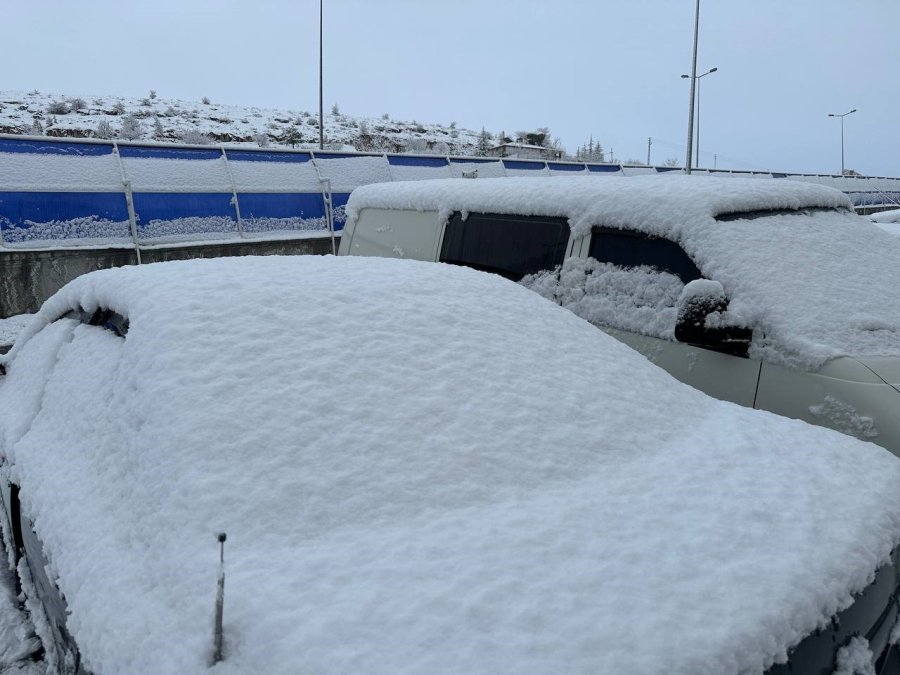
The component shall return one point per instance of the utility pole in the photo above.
(321, 105)
(649, 143)
(690, 136)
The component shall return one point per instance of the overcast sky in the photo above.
(610, 68)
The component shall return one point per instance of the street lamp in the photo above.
(690, 134)
(321, 107)
(842, 134)
(708, 72)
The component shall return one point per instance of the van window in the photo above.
(627, 248)
(511, 246)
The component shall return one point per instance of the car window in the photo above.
(767, 213)
(627, 248)
(511, 246)
(103, 318)
(638, 299)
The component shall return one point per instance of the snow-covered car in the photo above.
(420, 468)
(889, 221)
(766, 292)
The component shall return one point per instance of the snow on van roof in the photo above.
(415, 478)
(814, 287)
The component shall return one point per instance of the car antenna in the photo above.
(220, 601)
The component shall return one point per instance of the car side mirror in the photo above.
(700, 301)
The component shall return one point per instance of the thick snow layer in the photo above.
(787, 276)
(415, 477)
(177, 175)
(24, 171)
(12, 326)
(855, 658)
(892, 216)
(640, 299)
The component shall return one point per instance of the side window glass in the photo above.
(627, 248)
(103, 318)
(639, 299)
(511, 246)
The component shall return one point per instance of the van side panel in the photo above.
(394, 233)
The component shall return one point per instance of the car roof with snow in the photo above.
(421, 468)
(796, 263)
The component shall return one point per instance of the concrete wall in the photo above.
(27, 278)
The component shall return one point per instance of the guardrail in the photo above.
(63, 193)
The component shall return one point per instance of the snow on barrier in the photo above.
(76, 193)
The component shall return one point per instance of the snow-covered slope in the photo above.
(162, 119)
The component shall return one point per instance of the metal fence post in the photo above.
(129, 201)
(234, 194)
(329, 213)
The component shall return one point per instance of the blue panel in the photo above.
(565, 167)
(665, 169)
(473, 160)
(272, 205)
(338, 202)
(55, 147)
(171, 205)
(44, 207)
(348, 155)
(149, 152)
(267, 156)
(779, 175)
(405, 160)
(604, 168)
(518, 164)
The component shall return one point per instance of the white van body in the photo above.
(799, 269)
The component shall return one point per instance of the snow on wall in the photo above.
(21, 171)
(347, 173)
(86, 176)
(491, 169)
(177, 175)
(275, 176)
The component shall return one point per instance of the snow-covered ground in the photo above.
(162, 119)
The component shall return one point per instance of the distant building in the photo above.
(521, 151)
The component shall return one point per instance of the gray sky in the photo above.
(604, 67)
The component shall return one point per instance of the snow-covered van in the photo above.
(765, 292)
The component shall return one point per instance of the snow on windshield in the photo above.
(421, 468)
(811, 281)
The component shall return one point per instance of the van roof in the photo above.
(645, 202)
(814, 284)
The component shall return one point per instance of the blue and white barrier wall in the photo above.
(71, 192)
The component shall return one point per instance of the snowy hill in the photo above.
(170, 120)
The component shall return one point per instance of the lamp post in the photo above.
(842, 134)
(321, 107)
(698, 77)
(690, 134)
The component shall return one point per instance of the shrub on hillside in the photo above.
(58, 108)
(195, 137)
(103, 130)
(132, 129)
